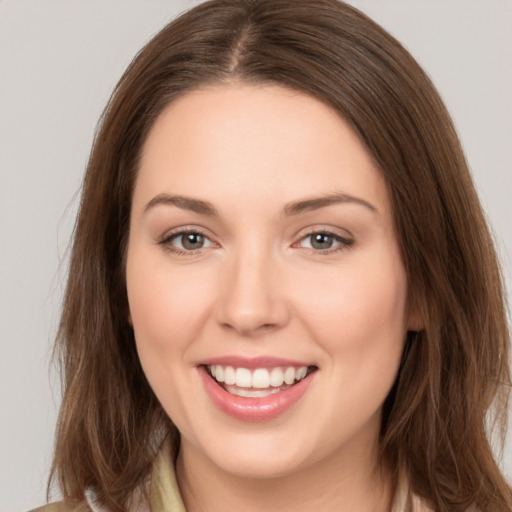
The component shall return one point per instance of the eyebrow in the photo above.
(315, 203)
(185, 203)
(294, 208)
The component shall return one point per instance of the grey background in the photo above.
(59, 60)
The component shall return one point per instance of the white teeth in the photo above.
(289, 375)
(229, 375)
(219, 373)
(260, 378)
(251, 393)
(276, 377)
(243, 378)
(301, 373)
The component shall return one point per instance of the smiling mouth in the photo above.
(257, 383)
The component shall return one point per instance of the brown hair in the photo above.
(455, 371)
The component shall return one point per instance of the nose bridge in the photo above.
(252, 300)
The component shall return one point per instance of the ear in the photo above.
(129, 318)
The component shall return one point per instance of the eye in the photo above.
(186, 241)
(325, 241)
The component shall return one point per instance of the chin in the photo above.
(277, 465)
(263, 455)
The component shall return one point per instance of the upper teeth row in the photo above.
(259, 378)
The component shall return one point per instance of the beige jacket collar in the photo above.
(165, 494)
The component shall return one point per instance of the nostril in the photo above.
(251, 306)
(249, 327)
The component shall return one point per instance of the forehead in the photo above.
(257, 142)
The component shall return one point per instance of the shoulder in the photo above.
(91, 504)
(418, 505)
(64, 506)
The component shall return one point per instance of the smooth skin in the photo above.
(251, 277)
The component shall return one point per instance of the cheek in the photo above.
(358, 312)
(166, 306)
(358, 318)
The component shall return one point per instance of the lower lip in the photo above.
(253, 409)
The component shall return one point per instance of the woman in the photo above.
(282, 290)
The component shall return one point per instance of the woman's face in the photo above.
(262, 250)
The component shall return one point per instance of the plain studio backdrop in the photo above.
(59, 61)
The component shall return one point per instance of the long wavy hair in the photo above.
(454, 380)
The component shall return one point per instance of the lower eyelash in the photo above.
(345, 242)
(165, 241)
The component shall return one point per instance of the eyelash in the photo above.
(166, 242)
(344, 243)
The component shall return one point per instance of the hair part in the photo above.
(455, 372)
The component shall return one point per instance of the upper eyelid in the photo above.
(340, 238)
(169, 235)
(183, 230)
(165, 241)
(187, 232)
(327, 230)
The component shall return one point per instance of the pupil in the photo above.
(321, 241)
(193, 241)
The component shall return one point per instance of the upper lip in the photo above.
(253, 362)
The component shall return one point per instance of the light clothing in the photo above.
(165, 494)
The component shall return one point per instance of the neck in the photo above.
(340, 484)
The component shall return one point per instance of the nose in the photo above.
(252, 299)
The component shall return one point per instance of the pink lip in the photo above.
(254, 409)
(252, 363)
